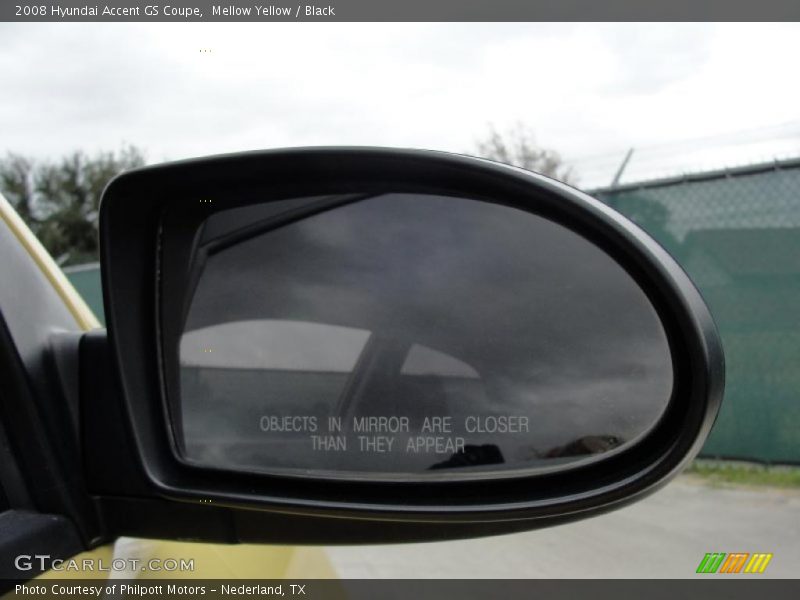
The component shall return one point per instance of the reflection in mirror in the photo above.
(413, 336)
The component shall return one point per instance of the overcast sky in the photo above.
(686, 96)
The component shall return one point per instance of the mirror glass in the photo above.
(405, 336)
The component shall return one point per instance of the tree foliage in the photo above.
(517, 146)
(60, 200)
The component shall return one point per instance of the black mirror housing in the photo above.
(158, 227)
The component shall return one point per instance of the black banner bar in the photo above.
(711, 588)
(399, 10)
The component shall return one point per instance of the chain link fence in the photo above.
(737, 233)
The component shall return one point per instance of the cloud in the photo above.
(585, 89)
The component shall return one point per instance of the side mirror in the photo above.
(429, 344)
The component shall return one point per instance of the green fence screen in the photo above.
(86, 279)
(737, 234)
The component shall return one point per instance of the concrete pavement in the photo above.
(664, 536)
